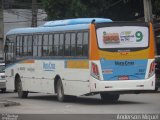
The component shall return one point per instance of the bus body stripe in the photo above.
(93, 49)
(27, 62)
(82, 64)
(151, 46)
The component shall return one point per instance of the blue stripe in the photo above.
(75, 21)
(114, 69)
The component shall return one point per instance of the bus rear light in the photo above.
(94, 71)
(152, 69)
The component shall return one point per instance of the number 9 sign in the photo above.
(139, 36)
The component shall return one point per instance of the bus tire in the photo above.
(21, 93)
(108, 97)
(3, 90)
(60, 91)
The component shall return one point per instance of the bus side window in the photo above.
(35, 45)
(39, 47)
(45, 49)
(21, 46)
(61, 45)
(67, 44)
(17, 46)
(7, 52)
(79, 44)
(85, 43)
(56, 44)
(30, 47)
(25, 46)
(73, 44)
(9, 49)
(50, 46)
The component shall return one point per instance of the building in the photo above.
(20, 18)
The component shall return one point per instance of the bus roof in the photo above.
(75, 21)
(59, 25)
(46, 29)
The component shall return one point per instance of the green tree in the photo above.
(77, 9)
(56, 9)
(114, 9)
(156, 8)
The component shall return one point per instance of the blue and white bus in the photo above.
(82, 56)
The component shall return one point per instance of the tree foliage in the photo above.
(56, 8)
(114, 9)
(20, 4)
(156, 7)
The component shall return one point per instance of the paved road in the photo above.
(38, 103)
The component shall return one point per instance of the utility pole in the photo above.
(1, 28)
(34, 13)
(148, 10)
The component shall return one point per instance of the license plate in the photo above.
(123, 78)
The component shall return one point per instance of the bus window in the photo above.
(18, 46)
(45, 49)
(35, 45)
(56, 44)
(39, 45)
(61, 45)
(85, 44)
(9, 49)
(79, 44)
(73, 44)
(50, 47)
(25, 45)
(30, 48)
(67, 44)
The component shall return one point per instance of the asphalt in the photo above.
(7, 103)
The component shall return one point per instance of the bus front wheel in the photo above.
(109, 97)
(60, 91)
(21, 93)
(3, 90)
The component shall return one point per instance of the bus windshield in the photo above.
(122, 37)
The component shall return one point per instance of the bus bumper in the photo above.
(122, 85)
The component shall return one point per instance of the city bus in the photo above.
(80, 57)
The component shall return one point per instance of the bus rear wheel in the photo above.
(21, 93)
(109, 97)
